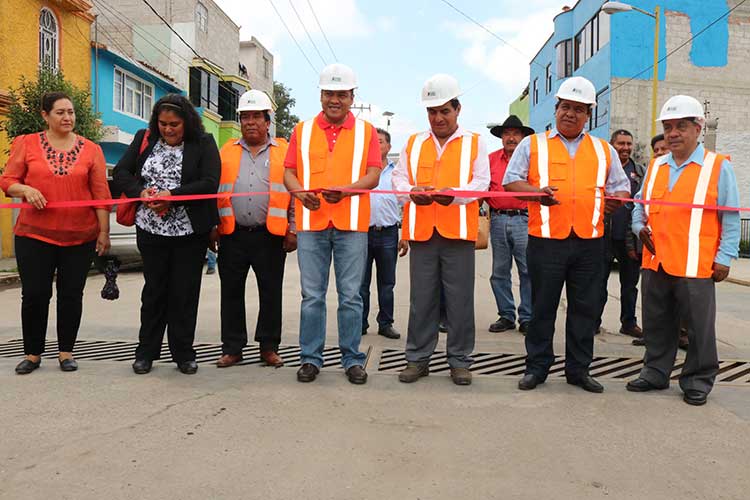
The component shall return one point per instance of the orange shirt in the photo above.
(78, 174)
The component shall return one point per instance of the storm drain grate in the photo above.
(393, 360)
(114, 350)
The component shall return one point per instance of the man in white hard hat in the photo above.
(442, 230)
(328, 153)
(254, 232)
(574, 171)
(686, 251)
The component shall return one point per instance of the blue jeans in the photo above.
(210, 259)
(509, 236)
(314, 252)
(382, 249)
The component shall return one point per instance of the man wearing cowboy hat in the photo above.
(508, 233)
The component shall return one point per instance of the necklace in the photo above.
(60, 162)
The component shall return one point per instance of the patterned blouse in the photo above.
(163, 171)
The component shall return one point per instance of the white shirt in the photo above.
(480, 168)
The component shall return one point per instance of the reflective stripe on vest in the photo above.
(696, 214)
(416, 150)
(305, 146)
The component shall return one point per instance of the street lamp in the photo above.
(388, 115)
(616, 7)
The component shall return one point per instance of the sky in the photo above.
(394, 46)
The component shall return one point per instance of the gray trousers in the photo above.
(666, 299)
(435, 263)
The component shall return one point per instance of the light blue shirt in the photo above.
(385, 209)
(729, 196)
(518, 167)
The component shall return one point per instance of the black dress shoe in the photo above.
(364, 331)
(529, 382)
(389, 333)
(27, 366)
(695, 397)
(502, 325)
(356, 375)
(643, 385)
(142, 366)
(442, 327)
(587, 383)
(188, 367)
(307, 372)
(68, 365)
(523, 327)
(639, 342)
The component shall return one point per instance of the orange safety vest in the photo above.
(580, 181)
(686, 239)
(452, 169)
(279, 197)
(317, 167)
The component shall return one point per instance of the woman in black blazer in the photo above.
(174, 156)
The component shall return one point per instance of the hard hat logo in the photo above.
(335, 79)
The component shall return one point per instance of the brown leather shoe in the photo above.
(633, 331)
(461, 376)
(227, 360)
(271, 359)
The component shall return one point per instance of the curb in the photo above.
(11, 279)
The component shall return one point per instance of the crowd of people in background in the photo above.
(573, 216)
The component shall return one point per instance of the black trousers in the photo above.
(630, 271)
(37, 263)
(577, 264)
(238, 253)
(382, 249)
(172, 269)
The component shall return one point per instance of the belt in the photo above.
(382, 228)
(250, 229)
(510, 212)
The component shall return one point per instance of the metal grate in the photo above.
(113, 350)
(392, 360)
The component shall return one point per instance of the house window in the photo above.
(204, 89)
(201, 17)
(548, 79)
(48, 39)
(564, 51)
(593, 36)
(603, 29)
(266, 67)
(602, 107)
(229, 99)
(132, 95)
(535, 91)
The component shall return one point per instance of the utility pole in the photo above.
(360, 108)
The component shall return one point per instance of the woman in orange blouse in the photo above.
(55, 165)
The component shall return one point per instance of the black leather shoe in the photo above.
(389, 333)
(356, 375)
(307, 372)
(364, 331)
(502, 325)
(27, 366)
(142, 366)
(643, 385)
(188, 367)
(529, 382)
(587, 383)
(68, 365)
(523, 327)
(442, 327)
(695, 398)
(639, 342)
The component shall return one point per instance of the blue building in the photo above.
(615, 52)
(124, 92)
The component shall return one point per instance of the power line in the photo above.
(307, 32)
(312, 66)
(322, 31)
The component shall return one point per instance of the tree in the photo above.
(285, 120)
(25, 112)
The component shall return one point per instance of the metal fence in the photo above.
(745, 238)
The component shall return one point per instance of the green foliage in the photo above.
(25, 114)
(285, 120)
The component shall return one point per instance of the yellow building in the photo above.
(33, 32)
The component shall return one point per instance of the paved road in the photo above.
(252, 432)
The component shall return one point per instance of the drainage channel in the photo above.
(115, 350)
(607, 367)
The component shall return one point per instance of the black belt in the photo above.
(382, 228)
(250, 229)
(510, 212)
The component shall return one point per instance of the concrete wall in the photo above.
(252, 53)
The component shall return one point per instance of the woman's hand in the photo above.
(35, 197)
(102, 243)
(160, 207)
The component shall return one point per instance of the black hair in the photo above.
(385, 133)
(655, 139)
(179, 105)
(50, 98)
(454, 103)
(266, 115)
(620, 131)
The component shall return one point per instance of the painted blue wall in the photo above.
(105, 96)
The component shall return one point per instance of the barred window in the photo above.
(48, 39)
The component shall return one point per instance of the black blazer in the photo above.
(201, 168)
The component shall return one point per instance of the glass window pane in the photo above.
(603, 29)
(128, 100)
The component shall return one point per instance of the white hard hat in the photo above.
(439, 89)
(254, 100)
(682, 106)
(337, 77)
(577, 89)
